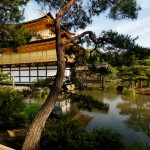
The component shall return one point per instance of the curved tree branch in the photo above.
(79, 36)
(62, 11)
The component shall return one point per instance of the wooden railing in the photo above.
(2, 147)
(27, 60)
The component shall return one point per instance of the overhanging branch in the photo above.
(80, 36)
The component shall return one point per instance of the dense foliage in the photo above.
(128, 91)
(80, 14)
(73, 14)
(137, 73)
(70, 134)
(13, 34)
(12, 108)
(5, 78)
(42, 83)
(31, 110)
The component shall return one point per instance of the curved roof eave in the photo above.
(38, 19)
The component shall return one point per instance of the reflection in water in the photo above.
(34, 100)
(139, 111)
(128, 115)
(60, 106)
(64, 105)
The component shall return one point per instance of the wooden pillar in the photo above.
(101, 82)
(29, 74)
(37, 72)
(46, 70)
(9, 69)
(19, 74)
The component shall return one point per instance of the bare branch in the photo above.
(79, 36)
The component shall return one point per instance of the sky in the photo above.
(139, 27)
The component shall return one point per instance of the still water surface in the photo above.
(128, 115)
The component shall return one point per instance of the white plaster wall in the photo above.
(24, 73)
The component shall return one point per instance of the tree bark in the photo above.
(103, 82)
(32, 139)
(147, 82)
(33, 136)
(35, 130)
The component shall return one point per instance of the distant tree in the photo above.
(138, 72)
(126, 74)
(75, 14)
(145, 64)
(78, 54)
(5, 78)
(103, 70)
(119, 49)
(138, 111)
(129, 57)
(12, 34)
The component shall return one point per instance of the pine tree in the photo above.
(12, 34)
(70, 14)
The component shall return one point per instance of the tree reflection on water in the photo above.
(138, 108)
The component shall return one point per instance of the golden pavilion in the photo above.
(36, 59)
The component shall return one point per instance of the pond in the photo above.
(128, 115)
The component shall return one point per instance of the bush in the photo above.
(128, 91)
(36, 92)
(70, 134)
(77, 82)
(11, 108)
(31, 110)
(41, 83)
(88, 102)
(107, 139)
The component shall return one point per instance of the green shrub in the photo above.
(41, 83)
(107, 139)
(138, 146)
(88, 102)
(26, 92)
(5, 78)
(45, 92)
(11, 108)
(128, 91)
(35, 92)
(70, 134)
(39, 88)
(31, 110)
(77, 82)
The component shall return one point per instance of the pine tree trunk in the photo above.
(147, 83)
(32, 139)
(33, 136)
(35, 130)
(103, 82)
